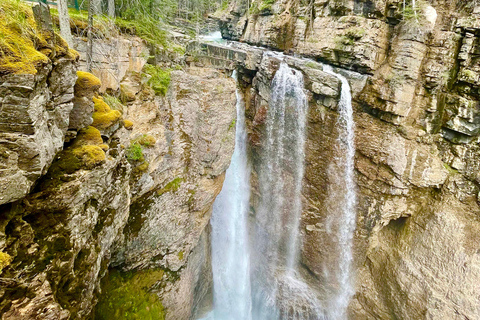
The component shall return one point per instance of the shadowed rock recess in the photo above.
(105, 204)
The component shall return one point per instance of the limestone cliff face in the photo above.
(139, 201)
(416, 106)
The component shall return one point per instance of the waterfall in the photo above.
(344, 203)
(230, 256)
(278, 289)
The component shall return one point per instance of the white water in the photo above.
(213, 37)
(347, 216)
(230, 256)
(256, 275)
(278, 290)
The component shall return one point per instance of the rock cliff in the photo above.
(92, 189)
(415, 96)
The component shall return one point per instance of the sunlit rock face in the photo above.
(416, 137)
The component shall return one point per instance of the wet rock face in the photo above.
(34, 111)
(416, 117)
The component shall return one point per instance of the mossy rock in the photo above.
(128, 124)
(23, 48)
(146, 140)
(90, 156)
(87, 151)
(103, 116)
(87, 84)
(88, 136)
(5, 260)
(128, 296)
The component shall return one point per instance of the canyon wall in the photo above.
(416, 108)
(90, 193)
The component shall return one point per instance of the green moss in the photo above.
(90, 156)
(88, 136)
(86, 152)
(23, 48)
(104, 117)
(129, 296)
(128, 124)
(135, 152)
(266, 5)
(172, 186)
(87, 81)
(468, 76)
(232, 125)
(5, 260)
(146, 140)
(450, 169)
(159, 79)
(180, 255)
(355, 33)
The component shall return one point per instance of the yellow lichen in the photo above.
(128, 124)
(88, 136)
(90, 156)
(86, 152)
(23, 48)
(5, 260)
(87, 82)
(146, 140)
(104, 117)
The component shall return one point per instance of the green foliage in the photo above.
(266, 5)
(146, 27)
(232, 125)
(159, 78)
(128, 296)
(113, 102)
(135, 152)
(172, 186)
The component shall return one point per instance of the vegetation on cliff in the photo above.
(23, 47)
(128, 296)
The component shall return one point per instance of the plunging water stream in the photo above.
(256, 270)
(344, 217)
(230, 256)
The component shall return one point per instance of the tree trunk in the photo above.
(91, 11)
(111, 8)
(64, 22)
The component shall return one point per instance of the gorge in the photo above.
(319, 161)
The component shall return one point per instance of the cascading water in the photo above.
(342, 219)
(256, 272)
(230, 256)
(278, 290)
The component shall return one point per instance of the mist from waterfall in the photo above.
(230, 256)
(343, 216)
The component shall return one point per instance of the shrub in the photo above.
(135, 152)
(159, 79)
(113, 102)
